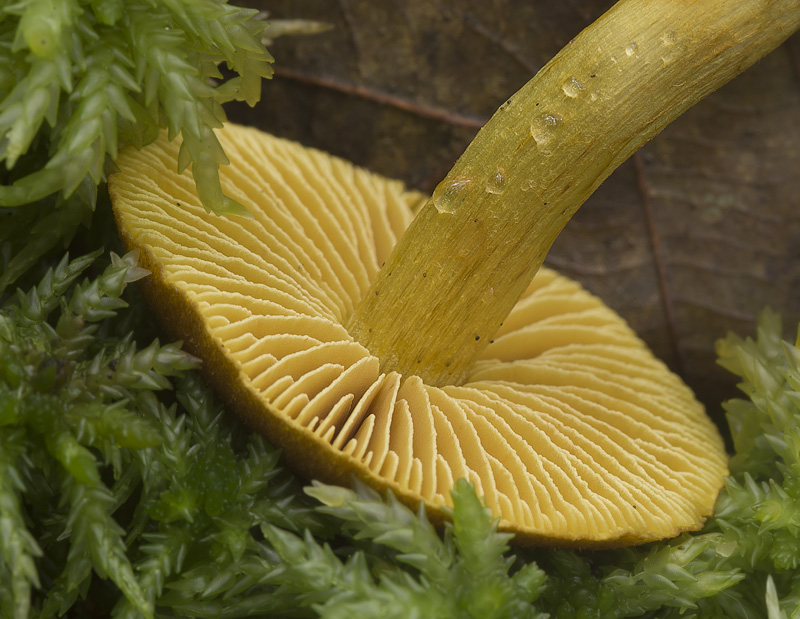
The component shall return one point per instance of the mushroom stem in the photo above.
(478, 242)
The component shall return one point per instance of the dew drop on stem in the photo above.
(450, 194)
(497, 182)
(671, 49)
(543, 128)
(572, 87)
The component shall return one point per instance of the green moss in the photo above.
(82, 78)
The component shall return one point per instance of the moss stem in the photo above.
(473, 249)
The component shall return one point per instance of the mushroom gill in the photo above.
(567, 425)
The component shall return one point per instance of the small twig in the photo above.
(382, 98)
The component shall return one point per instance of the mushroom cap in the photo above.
(573, 432)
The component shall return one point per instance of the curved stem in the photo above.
(473, 249)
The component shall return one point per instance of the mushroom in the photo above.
(459, 357)
(569, 427)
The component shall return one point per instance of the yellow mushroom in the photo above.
(459, 357)
(567, 425)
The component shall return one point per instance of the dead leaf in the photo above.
(688, 240)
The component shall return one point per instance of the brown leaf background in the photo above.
(688, 240)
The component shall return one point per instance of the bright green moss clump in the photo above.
(79, 79)
(98, 476)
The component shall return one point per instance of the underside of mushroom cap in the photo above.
(568, 426)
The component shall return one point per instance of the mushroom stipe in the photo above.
(568, 426)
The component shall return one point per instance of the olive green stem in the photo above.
(476, 245)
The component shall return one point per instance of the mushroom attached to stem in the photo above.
(567, 425)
